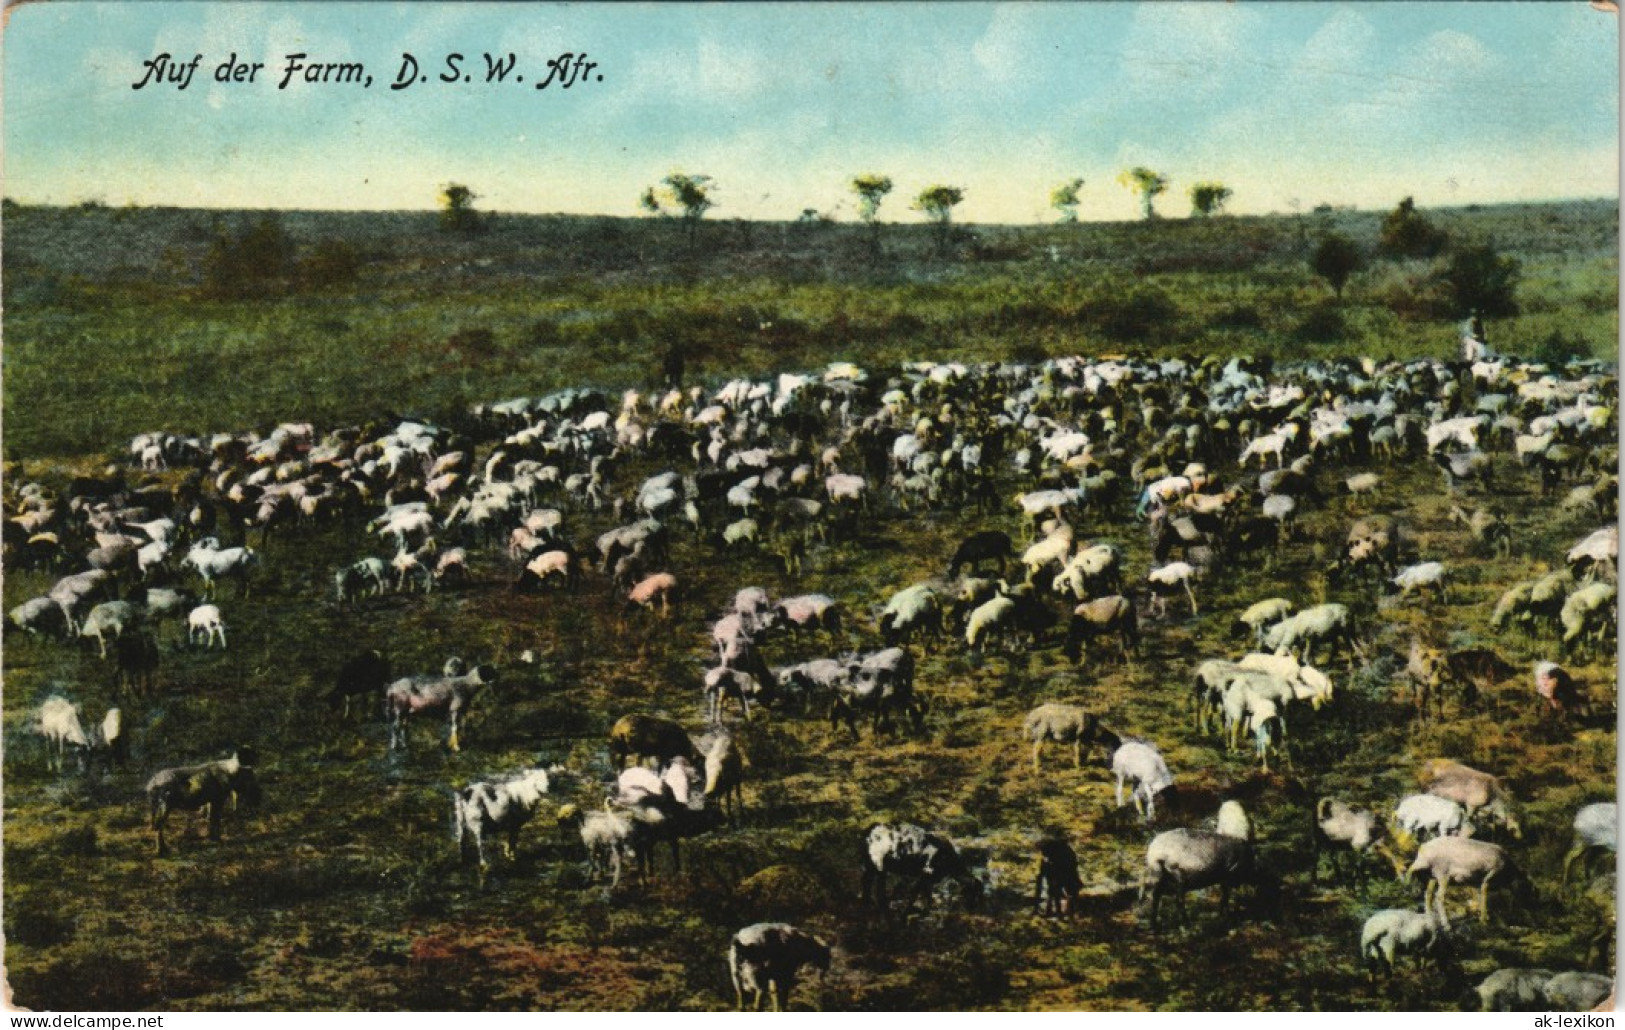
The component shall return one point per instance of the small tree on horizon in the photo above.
(937, 202)
(871, 190)
(1208, 198)
(1406, 232)
(690, 193)
(457, 208)
(1064, 198)
(1147, 184)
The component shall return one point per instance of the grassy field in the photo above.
(344, 890)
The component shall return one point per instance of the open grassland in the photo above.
(344, 890)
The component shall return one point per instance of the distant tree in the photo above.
(1208, 198)
(871, 190)
(457, 212)
(690, 194)
(1406, 232)
(937, 202)
(1147, 184)
(1482, 281)
(1064, 198)
(1335, 259)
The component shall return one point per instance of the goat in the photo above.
(209, 786)
(484, 808)
(907, 850)
(1556, 690)
(1182, 859)
(765, 958)
(450, 693)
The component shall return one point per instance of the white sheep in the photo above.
(481, 809)
(1392, 932)
(1062, 723)
(1233, 821)
(1140, 761)
(205, 622)
(1343, 827)
(110, 619)
(1164, 582)
(58, 723)
(1447, 860)
(1414, 579)
(1428, 815)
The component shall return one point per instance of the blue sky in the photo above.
(1290, 104)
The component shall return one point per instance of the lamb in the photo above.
(482, 809)
(1596, 829)
(451, 693)
(1514, 990)
(766, 957)
(360, 579)
(1392, 932)
(659, 588)
(1446, 860)
(1140, 761)
(1342, 827)
(58, 723)
(809, 611)
(1062, 723)
(725, 682)
(209, 786)
(907, 850)
(1180, 860)
(1428, 815)
(610, 837)
(205, 622)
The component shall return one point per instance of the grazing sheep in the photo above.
(482, 809)
(1428, 576)
(1062, 723)
(1342, 828)
(1428, 815)
(1169, 579)
(1363, 484)
(809, 611)
(363, 578)
(1577, 992)
(659, 588)
(1392, 932)
(40, 616)
(979, 547)
(213, 563)
(1056, 890)
(1100, 617)
(210, 786)
(724, 682)
(110, 619)
(647, 736)
(1588, 614)
(1328, 623)
(1446, 860)
(1514, 990)
(819, 677)
(1477, 792)
(1261, 615)
(1140, 761)
(907, 850)
(915, 610)
(58, 723)
(1181, 860)
(766, 957)
(878, 684)
(205, 622)
(1596, 830)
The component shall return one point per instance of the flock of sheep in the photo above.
(1215, 463)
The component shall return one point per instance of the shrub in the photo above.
(1406, 232)
(1335, 260)
(1480, 279)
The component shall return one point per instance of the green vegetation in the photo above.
(1064, 198)
(1336, 258)
(1209, 198)
(937, 203)
(457, 212)
(1147, 184)
(871, 190)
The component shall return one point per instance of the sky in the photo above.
(1291, 105)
